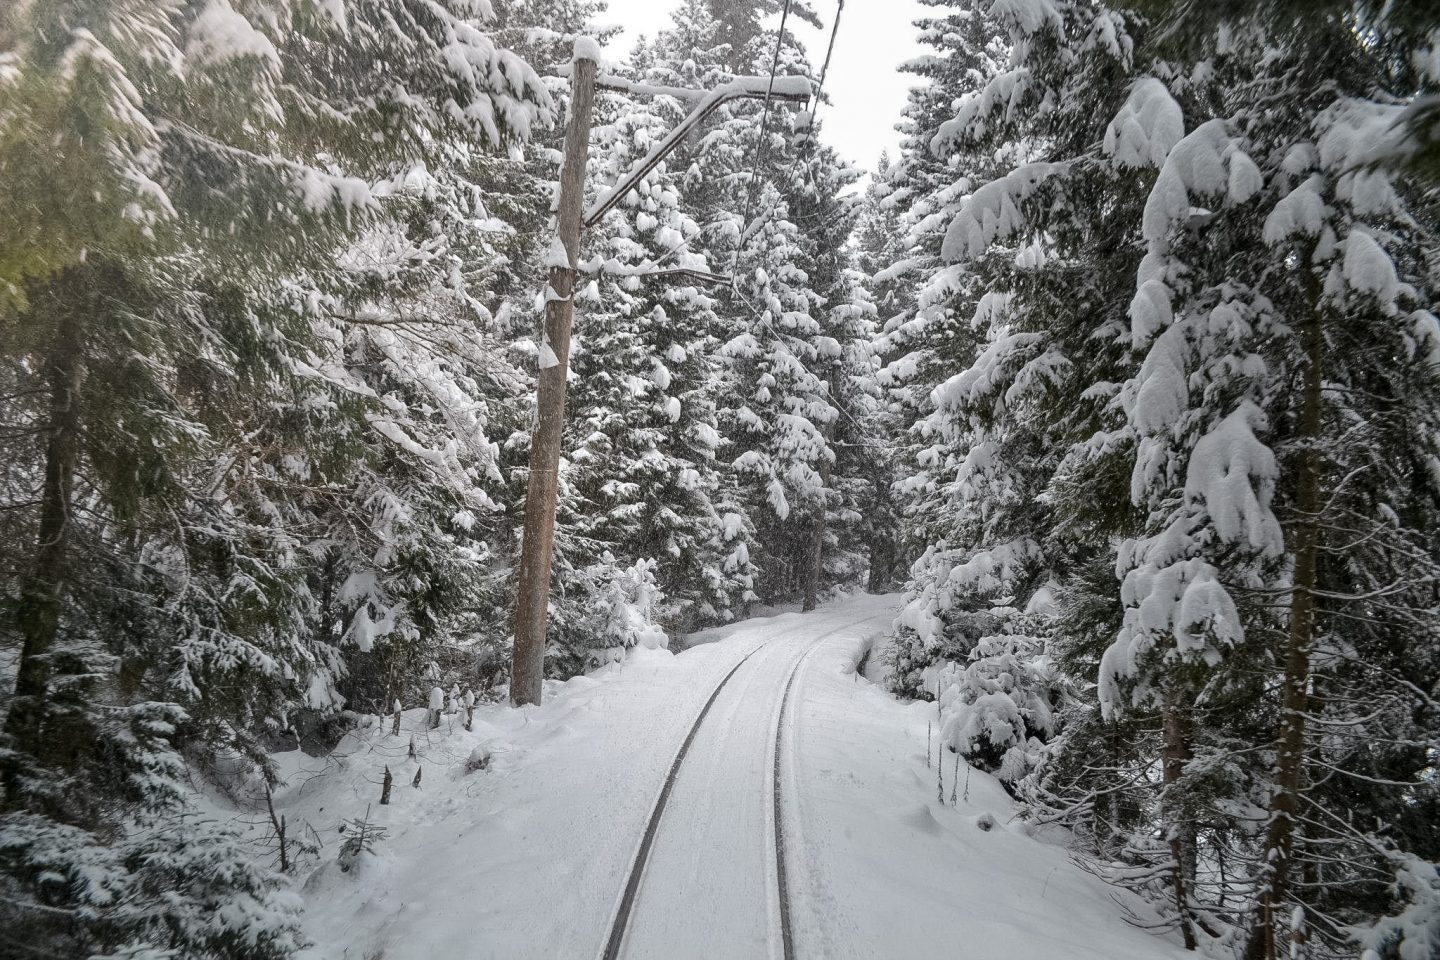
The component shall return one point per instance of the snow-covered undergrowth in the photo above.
(497, 851)
(892, 870)
(516, 841)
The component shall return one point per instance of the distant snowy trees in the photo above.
(793, 332)
(1186, 422)
(707, 421)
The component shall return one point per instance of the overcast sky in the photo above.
(866, 91)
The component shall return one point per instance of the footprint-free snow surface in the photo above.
(529, 856)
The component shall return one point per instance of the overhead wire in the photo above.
(870, 357)
(819, 91)
(817, 96)
(762, 144)
(808, 156)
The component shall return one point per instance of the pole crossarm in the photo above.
(621, 85)
(794, 89)
(608, 81)
(704, 276)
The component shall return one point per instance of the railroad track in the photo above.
(615, 943)
(621, 922)
(782, 883)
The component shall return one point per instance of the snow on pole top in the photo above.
(587, 48)
(556, 255)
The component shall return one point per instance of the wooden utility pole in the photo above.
(538, 548)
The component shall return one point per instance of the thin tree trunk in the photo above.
(1106, 814)
(884, 544)
(43, 588)
(1175, 753)
(278, 824)
(882, 558)
(815, 551)
(1290, 759)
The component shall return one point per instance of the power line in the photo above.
(761, 144)
(870, 357)
(780, 339)
(834, 29)
(810, 130)
(764, 126)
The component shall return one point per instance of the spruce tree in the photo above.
(171, 340)
(647, 433)
(1223, 308)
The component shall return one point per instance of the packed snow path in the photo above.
(531, 856)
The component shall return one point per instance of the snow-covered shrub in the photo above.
(361, 836)
(479, 759)
(997, 708)
(607, 608)
(111, 857)
(926, 635)
(174, 883)
(624, 610)
(1414, 932)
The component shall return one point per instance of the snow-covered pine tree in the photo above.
(774, 398)
(1180, 624)
(137, 329)
(739, 27)
(1269, 240)
(1030, 441)
(846, 531)
(1040, 418)
(933, 313)
(926, 305)
(879, 244)
(778, 412)
(1288, 342)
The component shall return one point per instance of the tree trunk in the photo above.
(810, 587)
(882, 558)
(815, 551)
(538, 547)
(1290, 754)
(1175, 753)
(42, 589)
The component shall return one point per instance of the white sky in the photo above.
(866, 92)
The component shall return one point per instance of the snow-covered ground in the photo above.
(528, 857)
